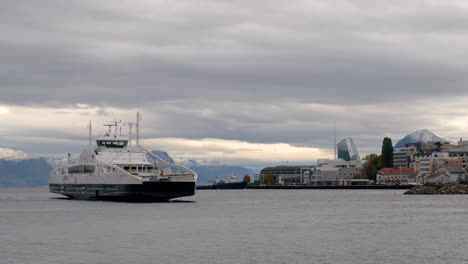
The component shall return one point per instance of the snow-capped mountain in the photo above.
(420, 136)
(18, 169)
(190, 162)
(13, 155)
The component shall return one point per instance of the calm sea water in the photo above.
(236, 226)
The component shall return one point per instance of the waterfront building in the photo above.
(456, 174)
(393, 176)
(349, 172)
(347, 150)
(441, 176)
(325, 176)
(286, 174)
(436, 163)
(332, 163)
(421, 162)
(424, 178)
(402, 157)
(326, 172)
(338, 163)
(329, 174)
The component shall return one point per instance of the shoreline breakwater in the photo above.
(330, 187)
(439, 189)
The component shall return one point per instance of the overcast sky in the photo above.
(245, 81)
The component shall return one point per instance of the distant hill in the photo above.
(21, 170)
(419, 136)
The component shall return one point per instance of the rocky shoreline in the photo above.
(439, 189)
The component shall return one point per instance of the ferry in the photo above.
(113, 169)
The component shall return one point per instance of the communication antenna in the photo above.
(110, 129)
(90, 133)
(138, 129)
(130, 125)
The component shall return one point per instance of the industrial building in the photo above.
(326, 172)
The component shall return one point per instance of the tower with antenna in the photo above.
(334, 139)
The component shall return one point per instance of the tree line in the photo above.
(373, 162)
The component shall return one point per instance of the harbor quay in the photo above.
(331, 187)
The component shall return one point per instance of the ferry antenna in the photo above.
(109, 127)
(90, 133)
(130, 125)
(138, 119)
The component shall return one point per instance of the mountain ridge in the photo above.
(420, 136)
(14, 155)
(29, 172)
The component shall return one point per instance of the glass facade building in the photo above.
(347, 150)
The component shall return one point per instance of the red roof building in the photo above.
(396, 170)
(395, 175)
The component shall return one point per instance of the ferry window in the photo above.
(88, 169)
(75, 169)
(112, 143)
(81, 169)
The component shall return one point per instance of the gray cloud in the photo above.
(213, 50)
(263, 71)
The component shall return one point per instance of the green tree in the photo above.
(268, 179)
(246, 178)
(387, 153)
(372, 164)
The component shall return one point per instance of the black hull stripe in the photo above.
(145, 191)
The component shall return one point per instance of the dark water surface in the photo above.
(236, 226)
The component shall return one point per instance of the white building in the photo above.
(422, 162)
(456, 174)
(402, 157)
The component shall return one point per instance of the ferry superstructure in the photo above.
(115, 170)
